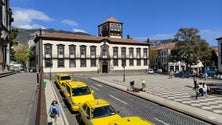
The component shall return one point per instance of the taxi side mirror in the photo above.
(88, 117)
(72, 79)
(92, 91)
(68, 94)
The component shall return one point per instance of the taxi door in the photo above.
(68, 94)
(85, 115)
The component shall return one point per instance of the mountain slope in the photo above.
(25, 35)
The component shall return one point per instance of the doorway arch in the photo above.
(104, 67)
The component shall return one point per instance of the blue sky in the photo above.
(142, 19)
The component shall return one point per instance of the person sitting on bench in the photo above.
(133, 87)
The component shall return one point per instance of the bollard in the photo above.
(37, 75)
(44, 84)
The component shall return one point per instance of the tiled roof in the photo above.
(219, 38)
(112, 19)
(166, 46)
(67, 36)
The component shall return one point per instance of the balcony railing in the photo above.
(67, 56)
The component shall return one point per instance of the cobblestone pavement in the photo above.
(176, 89)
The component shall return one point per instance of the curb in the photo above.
(65, 121)
(206, 116)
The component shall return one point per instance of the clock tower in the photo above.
(111, 28)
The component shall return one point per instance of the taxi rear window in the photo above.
(80, 91)
(65, 78)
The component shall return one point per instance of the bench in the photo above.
(215, 88)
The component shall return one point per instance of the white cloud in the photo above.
(70, 22)
(79, 30)
(24, 17)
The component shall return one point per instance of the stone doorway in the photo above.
(104, 67)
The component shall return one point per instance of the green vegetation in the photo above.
(190, 47)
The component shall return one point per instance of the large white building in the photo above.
(219, 53)
(61, 52)
(162, 61)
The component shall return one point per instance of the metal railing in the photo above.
(39, 114)
(3, 74)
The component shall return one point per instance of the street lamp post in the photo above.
(50, 73)
(148, 43)
(124, 72)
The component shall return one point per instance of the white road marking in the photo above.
(161, 121)
(95, 88)
(99, 85)
(118, 99)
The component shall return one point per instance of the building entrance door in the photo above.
(104, 67)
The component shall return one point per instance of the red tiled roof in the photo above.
(168, 46)
(87, 38)
(112, 19)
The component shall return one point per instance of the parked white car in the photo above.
(159, 70)
(150, 71)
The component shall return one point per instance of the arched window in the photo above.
(104, 51)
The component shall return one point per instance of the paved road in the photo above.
(16, 95)
(129, 105)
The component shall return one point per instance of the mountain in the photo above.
(156, 43)
(25, 35)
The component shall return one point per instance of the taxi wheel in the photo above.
(80, 120)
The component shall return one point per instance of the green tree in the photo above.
(22, 54)
(13, 35)
(153, 56)
(190, 47)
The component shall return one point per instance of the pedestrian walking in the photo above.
(205, 76)
(171, 74)
(143, 82)
(195, 81)
(54, 111)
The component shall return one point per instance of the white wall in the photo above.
(98, 48)
(219, 55)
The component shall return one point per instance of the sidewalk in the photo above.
(50, 95)
(174, 93)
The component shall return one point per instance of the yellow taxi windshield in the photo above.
(80, 91)
(103, 111)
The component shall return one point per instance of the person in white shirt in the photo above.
(204, 88)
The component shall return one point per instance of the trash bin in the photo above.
(131, 85)
(44, 84)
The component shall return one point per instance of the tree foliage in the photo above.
(22, 53)
(153, 55)
(13, 35)
(190, 47)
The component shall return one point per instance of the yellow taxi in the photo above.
(61, 79)
(97, 112)
(131, 120)
(77, 92)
